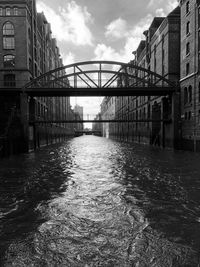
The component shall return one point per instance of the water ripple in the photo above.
(95, 202)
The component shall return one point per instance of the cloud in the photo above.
(160, 12)
(166, 6)
(153, 3)
(70, 24)
(116, 29)
(171, 5)
(68, 58)
(132, 38)
(120, 29)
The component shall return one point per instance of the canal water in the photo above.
(96, 202)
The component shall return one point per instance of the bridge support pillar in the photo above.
(176, 120)
(162, 128)
(24, 114)
(32, 128)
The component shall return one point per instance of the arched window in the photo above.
(9, 61)
(8, 29)
(8, 36)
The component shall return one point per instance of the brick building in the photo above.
(161, 55)
(190, 73)
(98, 126)
(159, 52)
(28, 50)
(78, 111)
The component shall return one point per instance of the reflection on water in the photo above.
(96, 202)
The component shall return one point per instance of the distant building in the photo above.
(78, 113)
(79, 110)
(108, 113)
(97, 125)
(28, 50)
(190, 73)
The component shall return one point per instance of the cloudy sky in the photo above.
(100, 29)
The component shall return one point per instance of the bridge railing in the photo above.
(100, 74)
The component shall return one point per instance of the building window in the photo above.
(185, 115)
(8, 36)
(8, 29)
(188, 48)
(185, 95)
(187, 68)
(9, 61)
(189, 115)
(8, 12)
(9, 80)
(187, 7)
(9, 43)
(1, 11)
(15, 11)
(188, 28)
(190, 94)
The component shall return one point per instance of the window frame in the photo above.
(187, 7)
(8, 43)
(16, 11)
(8, 31)
(187, 68)
(8, 11)
(8, 36)
(8, 82)
(190, 94)
(12, 59)
(187, 48)
(188, 28)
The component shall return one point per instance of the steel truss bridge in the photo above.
(97, 78)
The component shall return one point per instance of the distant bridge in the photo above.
(86, 132)
(98, 121)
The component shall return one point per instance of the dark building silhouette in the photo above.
(190, 73)
(28, 50)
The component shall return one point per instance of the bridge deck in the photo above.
(98, 121)
(112, 91)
